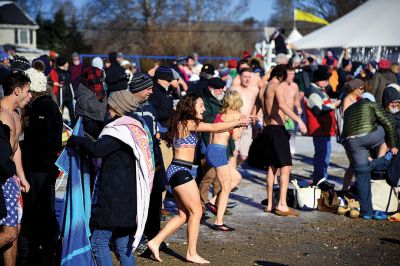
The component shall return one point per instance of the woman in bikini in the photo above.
(185, 124)
(227, 174)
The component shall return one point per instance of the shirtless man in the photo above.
(249, 93)
(16, 95)
(292, 99)
(276, 112)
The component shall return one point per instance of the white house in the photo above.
(16, 26)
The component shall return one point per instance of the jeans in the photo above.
(363, 183)
(322, 149)
(121, 239)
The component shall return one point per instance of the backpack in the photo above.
(393, 172)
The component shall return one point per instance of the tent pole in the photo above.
(378, 54)
(341, 57)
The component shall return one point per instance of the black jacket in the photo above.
(42, 135)
(161, 100)
(65, 77)
(115, 75)
(7, 166)
(116, 204)
(200, 87)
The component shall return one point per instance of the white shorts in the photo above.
(243, 144)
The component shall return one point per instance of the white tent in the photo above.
(375, 23)
(294, 36)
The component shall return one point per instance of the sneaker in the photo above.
(379, 215)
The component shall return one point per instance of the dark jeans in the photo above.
(359, 148)
(322, 155)
(121, 239)
(39, 226)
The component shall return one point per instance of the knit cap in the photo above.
(140, 82)
(164, 73)
(3, 56)
(97, 62)
(122, 102)
(38, 80)
(20, 63)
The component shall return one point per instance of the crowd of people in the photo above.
(168, 118)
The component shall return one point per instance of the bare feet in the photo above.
(196, 259)
(154, 250)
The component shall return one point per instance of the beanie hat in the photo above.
(3, 56)
(322, 73)
(46, 62)
(368, 96)
(164, 73)
(38, 80)
(140, 82)
(122, 102)
(390, 94)
(20, 63)
(232, 63)
(216, 83)
(384, 64)
(74, 54)
(181, 59)
(120, 55)
(97, 62)
(224, 72)
(208, 69)
(61, 61)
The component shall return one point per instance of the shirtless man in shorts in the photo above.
(276, 112)
(17, 94)
(249, 93)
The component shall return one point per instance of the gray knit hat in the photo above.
(122, 102)
(140, 82)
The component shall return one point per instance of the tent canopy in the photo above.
(295, 35)
(374, 23)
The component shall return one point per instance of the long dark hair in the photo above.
(185, 111)
(279, 72)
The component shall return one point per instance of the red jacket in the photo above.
(54, 78)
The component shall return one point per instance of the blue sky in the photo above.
(261, 10)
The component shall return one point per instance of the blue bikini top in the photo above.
(187, 142)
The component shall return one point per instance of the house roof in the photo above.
(12, 14)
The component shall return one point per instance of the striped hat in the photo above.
(164, 73)
(140, 82)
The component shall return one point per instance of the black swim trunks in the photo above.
(278, 149)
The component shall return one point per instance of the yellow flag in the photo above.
(304, 16)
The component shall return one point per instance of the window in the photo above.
(23, 36)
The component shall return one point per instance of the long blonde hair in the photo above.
(232, 101)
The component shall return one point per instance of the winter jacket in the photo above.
(76, 75)
(199, 87)
(116, 79)
(87, 104)
(67, 90)
(320, 112)
(42, 135)
(389, 95)
(161, 100)
(364, 116)
(117, 201)
(379, 82)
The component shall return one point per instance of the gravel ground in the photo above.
(266, 239)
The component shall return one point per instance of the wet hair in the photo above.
(279, 72)
(14, 80)
(241, 62)
(232, 101)
(185, 111)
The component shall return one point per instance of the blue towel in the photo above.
(76, 249)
